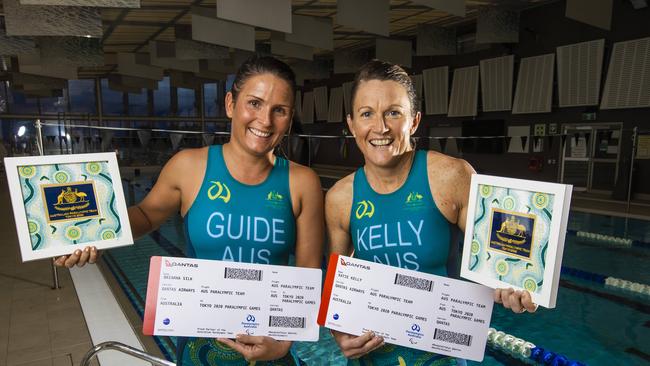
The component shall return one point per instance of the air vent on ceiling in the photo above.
(335, 110)
(579, 67)
(464, 92)
(628, 77)
(534, 85)
(320, 102)
(496, 83)
(436, 89)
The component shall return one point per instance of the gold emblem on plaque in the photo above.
(69, 200)
(512, 232)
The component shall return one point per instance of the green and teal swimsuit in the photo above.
(403, 229)
(232, 221)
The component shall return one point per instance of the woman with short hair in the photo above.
(399, 208)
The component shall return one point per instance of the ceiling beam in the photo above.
(116, 22)
(349, 34)
(166, 7)
(308, 6)
(132, 44)
(141, 23)
(139, 46)
(170, 23)
(303, 6)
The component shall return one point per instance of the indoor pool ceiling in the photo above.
(27, 45)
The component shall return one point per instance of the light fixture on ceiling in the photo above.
(639, 4)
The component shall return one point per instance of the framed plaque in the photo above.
(62, 203)
(514, 235)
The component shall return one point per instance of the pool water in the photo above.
(592, 324)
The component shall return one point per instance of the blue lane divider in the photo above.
(593, 277)
(546, 357)
(523, 350)
(607, 280)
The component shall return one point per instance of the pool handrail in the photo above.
(120, 347)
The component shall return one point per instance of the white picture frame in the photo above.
(547, 228)
(95, 216)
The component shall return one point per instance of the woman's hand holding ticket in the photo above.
(258, 348)
(357, 346)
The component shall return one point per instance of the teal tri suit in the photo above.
(232, 221)
(403, 229)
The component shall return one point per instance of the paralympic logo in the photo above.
(250, 324)
(414, 333)
(365, 208)
(223, 192)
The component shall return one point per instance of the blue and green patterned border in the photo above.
(44, 233)
(497, 264)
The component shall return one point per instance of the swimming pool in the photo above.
(594, 324)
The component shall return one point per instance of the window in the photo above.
(54, 105)
(162, 98)
(82, 96)
(112, 102)
(138, 103)
(4, 101)
(187, 103)
(229, 81)
(210, 99)
(21, 104)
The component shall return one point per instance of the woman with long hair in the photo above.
(239, 202)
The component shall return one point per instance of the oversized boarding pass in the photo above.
(210, 299)
(407, 308)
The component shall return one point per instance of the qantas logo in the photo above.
(356, 265)
(169, 263)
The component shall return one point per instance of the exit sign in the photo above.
(589, 116)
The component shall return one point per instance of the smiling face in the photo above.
(262, 113)
(382, 121)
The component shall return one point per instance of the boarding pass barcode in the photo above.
(452, 337)
(243, 274)
(413, 282)
(287, 321)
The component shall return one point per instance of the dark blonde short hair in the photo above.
(383, 71)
